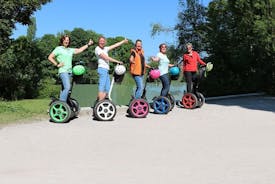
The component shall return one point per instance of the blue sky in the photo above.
(130, 19)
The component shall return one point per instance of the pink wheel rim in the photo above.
(139, 108)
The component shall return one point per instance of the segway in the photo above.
(160, 104)
(105, 110)
(62, 112)
(139, 108)
(195, 99)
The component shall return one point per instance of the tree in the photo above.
(240, 44)
(20, 70)
(31, 31)
(12, 12)
(191, 26)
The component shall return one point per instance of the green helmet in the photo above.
(78, 70)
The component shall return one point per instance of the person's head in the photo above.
(138, 44)
(189, 47)
(101, 41)
(162, 48)
(65, 41)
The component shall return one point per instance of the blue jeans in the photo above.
(139, 82)
(165, 84)
(66, 85)
(104, 80)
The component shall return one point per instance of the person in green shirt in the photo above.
(62, 57)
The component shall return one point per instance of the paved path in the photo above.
(225, 142)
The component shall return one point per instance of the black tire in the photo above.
(138, 108)
(75, 107)
(161, 105)
(172, 100)
(189, 101)
(201, 99)
(104, 110)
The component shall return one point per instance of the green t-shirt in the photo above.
(64, 55)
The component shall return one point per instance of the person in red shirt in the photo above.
(190, 66)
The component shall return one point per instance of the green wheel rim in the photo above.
(59, 113)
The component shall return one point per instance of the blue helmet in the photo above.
(174, 70)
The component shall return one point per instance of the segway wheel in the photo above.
(161, 105)
(60, 112)
(104, 110)
(189, 101)
(75, 107)
(201, 99)
(138, 108)
(172, 100)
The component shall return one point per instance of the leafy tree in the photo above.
(241, 46)
(31, 31)
(12, 12)
(20, 70)
(191, 26)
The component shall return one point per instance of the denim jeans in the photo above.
(104, 80)
(139, 82)
(66, 83)
(165, 84)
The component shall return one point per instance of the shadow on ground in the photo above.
(265, 103)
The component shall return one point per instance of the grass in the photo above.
(16, 111)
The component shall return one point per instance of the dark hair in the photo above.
(63, 38)
(161, 45)
(138, 40)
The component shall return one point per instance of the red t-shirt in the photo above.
(190, 62)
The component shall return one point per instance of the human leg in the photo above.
(188, 79)
(139, 83)
(66, 82)
(165, 84)
(103, 73)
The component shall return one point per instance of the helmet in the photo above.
(174, 70)
(78, 70)
(154, 74)
(120, 69)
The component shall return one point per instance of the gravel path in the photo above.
(230, 141)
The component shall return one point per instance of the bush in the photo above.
(49, 88)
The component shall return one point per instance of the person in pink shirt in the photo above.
(190, 66)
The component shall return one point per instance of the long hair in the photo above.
(63, 38)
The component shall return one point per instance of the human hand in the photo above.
(91, 42)
(60, 65)
(120, 62)
(125, 40)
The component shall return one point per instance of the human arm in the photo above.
(200, 60)
(84, 47)
(132, 57)
(105, 57)
(51, 58)
(155, 58)
(118, 44)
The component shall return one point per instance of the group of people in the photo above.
(62, 56)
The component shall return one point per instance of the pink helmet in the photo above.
(154, 74)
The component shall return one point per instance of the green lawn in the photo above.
(16, 111)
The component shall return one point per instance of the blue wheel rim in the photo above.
(161, 106)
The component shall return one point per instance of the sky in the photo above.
(111, 18)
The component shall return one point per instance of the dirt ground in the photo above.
(229, 141)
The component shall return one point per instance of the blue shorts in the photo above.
(104, 80)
